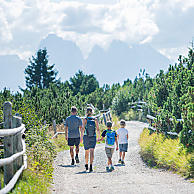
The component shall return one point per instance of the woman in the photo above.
(88, 135)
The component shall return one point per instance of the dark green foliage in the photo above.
(85, 84)
(39, 73)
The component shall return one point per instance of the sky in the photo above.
(164, 24)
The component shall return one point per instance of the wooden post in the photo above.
(17, 146)
(8, 141)
(54, 127)
(104, 117)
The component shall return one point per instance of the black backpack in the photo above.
(90, 126)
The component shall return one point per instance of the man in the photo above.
(73, 126)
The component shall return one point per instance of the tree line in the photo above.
(168, 95)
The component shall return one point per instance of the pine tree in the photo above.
(39, 73)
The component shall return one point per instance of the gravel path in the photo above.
(135, 177)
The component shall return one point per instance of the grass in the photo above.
(159, 151)
(32, 182)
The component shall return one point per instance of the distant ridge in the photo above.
(116, 64)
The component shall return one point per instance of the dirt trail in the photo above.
(135, 177)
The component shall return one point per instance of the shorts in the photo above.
(89, 142)
(109, 152)
(123, 147)
(73, 141)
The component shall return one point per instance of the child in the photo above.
(111, 138)
(122, 135)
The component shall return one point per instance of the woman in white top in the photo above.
(122, 135)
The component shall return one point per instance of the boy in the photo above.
(111, 138)
(122, 135)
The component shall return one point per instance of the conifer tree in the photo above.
(39, 73)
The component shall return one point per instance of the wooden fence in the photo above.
(151, 119)
(15, 160)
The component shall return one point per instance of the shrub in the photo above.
(169, 153)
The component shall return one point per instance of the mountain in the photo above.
(12, 72)
(120, 61)
(65, 54)
(115, 64)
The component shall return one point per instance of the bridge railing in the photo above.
(15, 160)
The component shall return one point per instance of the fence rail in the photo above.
(15, 160)
(101, 117)
(149, 117)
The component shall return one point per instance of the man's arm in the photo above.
(66, 131)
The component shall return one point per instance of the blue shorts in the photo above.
(73, 141)
(123, 147)
(89, 142)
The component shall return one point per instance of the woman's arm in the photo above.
(97, 128)
(82, 130)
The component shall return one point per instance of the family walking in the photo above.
(89, 129)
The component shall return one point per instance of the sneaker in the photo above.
(112, 168)
(122, 162)
(77, 159)
(107, 169)
(73, 162)
(86, 166)
(91, 170)
(119, 161)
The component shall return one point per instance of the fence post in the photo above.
(104, 117)
(8, 141)
(54, 127)
(110, 116)
(17, 143)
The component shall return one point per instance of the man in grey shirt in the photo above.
(73, 126)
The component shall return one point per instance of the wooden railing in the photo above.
(152, 120)
(15, 160)
(104, 117)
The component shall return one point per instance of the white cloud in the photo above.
(24, 23)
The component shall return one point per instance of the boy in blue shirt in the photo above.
(111, 138)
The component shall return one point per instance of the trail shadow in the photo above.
(67, 166)
(119, 165)
(102, 172)
(83, 172)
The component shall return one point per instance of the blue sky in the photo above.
(164, 24)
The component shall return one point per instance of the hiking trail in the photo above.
(133, 178)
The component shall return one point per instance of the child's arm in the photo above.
(101, 139)
(117, 147)
(102, 135)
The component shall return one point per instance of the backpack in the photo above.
(90, 126)
(110, 137)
